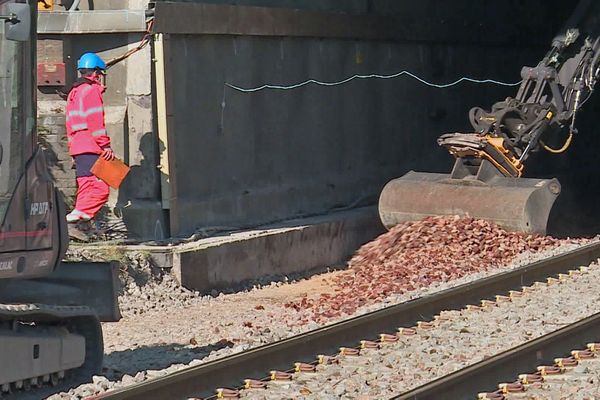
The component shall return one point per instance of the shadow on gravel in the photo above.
(130, 362)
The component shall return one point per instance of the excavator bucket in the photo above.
(516, 204)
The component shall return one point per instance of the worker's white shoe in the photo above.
(76, 216)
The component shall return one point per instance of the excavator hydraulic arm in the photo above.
(487, 179)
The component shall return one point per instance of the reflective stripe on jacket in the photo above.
(86, 131)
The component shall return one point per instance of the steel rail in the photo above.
(201, 381)
(505, 367)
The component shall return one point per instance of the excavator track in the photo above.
(47, 345)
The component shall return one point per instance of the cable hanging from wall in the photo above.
(371, 76)
(143, 43)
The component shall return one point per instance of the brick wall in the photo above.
(53, 138)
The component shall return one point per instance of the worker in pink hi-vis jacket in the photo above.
(87, 138)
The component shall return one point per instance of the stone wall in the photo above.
(129, 117)
(52, 135)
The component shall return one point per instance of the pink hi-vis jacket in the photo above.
(86, 132)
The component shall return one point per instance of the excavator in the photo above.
(50, 311)
(487, 180)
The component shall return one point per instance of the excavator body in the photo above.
(50, 311)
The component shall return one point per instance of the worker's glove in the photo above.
(108, 154)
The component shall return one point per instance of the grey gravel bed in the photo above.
(145, 294)
(460, 339)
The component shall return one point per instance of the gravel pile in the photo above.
(417, 254)
(457, 339)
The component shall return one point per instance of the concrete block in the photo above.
(66, 183)
(57, 119)
(49, 50)
(115, 114)
(138, 4)
(161, 259)
(139, 74)
(65, 175)
(293, 247)
(144, 219)
(139, 121)
(111, 20)
(50, 104)
(49, 138)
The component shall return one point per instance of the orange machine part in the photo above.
(45, 5)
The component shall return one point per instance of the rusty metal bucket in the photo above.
(516, 204)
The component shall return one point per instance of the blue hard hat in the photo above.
(91, 61)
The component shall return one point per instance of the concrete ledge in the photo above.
(296, 246)
(86, 22)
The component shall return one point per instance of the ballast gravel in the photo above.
(456, 340)
(417, 254)
(144, 287)
(166, 328)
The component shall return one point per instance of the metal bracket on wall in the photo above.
(51, 74)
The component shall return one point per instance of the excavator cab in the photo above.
(32, 230)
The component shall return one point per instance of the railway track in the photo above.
(513, 370)
(279, 361)
(574, 373)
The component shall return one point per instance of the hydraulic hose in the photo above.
(562, 149)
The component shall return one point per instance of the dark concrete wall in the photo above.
(507, 15)
(243, 159)
(577, 210)
(238, 159)
(350, 6)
